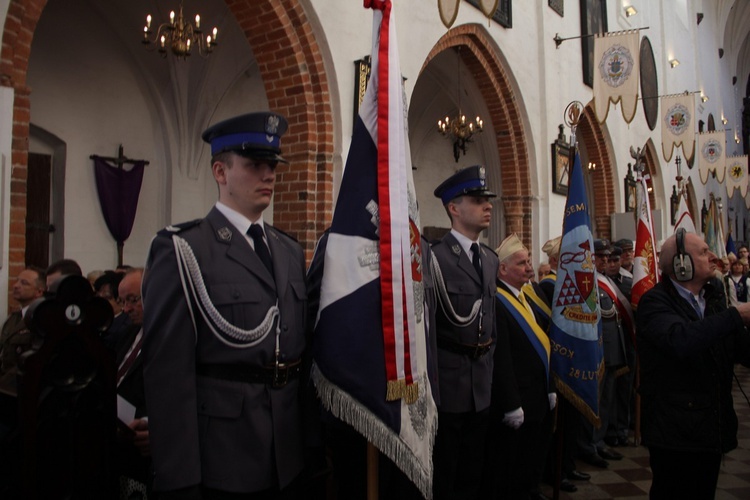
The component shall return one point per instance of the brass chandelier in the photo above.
(458, 128)
(180, 36)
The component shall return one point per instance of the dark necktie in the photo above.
(475, 260)
(256, 233)
(128, 362)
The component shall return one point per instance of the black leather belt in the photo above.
(274, 375)
(473, 351)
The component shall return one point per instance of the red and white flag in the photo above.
(645, 274)
(683, 219)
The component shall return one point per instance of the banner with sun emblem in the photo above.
(737, 175)
(576, 357)
(711, 158)
(616, 55)
(677, 128)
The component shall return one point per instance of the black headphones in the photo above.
(682, 263)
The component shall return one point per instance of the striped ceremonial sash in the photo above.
(537, 303)
(528, 324)
(622, 304)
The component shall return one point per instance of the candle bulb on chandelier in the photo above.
(208, 41)
(197, 21)
(148, 22)
(171, 17)
(145, 33)
(215, 32)
(163, 41)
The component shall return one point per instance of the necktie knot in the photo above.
(256, 233)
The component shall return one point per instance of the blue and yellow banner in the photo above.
(577, 360)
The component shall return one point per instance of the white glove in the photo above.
(552, 400)
(514, 419)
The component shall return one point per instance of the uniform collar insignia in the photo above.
(456, 249)
(225, 234)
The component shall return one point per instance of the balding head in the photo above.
(704, 261)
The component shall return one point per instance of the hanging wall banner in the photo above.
(737, 175)
(711, 157)
(448, 11)
(488, 7)
(677, 127)
(616, 76)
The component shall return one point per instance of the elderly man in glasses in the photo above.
(134, 450)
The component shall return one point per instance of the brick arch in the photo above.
(481, 58)
(604, 183)
(289, 59)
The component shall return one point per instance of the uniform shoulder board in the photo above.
(178, 228)
(489, 248)
(283, 233)
(435, 243)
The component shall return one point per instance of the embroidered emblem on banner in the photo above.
(616, 65)
(711, 151)
(578, 292)
(737, 172)
(677, 119)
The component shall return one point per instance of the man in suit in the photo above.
(106, 286)
(133, 446)
(16, 337)
(465, 325)
(224, 332)
(520, 384)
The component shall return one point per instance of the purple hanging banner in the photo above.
(118, 195)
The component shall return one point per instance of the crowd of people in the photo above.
(212, 344)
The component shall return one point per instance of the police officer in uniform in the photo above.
(464, 272)
(224, 303)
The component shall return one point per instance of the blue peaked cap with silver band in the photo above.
(253, 135)
(470, 181)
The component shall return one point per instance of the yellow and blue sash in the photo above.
(550, 278)
(537, 303)
(528, 324)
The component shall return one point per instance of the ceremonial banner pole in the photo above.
(373, 456)
(575, 311)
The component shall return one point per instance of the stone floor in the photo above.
(631, 476)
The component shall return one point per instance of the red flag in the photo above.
(645, 274)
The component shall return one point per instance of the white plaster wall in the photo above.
(87, 108)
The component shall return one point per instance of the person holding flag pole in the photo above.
(645, 274)
(576, 356)
(369, 341)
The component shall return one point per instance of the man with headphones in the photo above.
(688, 342)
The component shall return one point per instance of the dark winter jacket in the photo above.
(686, 367)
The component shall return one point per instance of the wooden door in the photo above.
(38, 185)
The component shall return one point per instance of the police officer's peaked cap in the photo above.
(254, 135)
(615, 251)
(470, 181)
(601, 247)
(624, 243)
